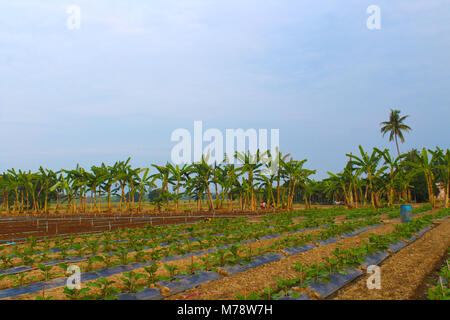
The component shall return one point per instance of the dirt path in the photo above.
(405, 271)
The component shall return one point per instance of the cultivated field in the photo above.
(299, 254)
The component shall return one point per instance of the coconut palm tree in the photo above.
(395, 127)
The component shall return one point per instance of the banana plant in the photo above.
(151, 274)
(19, 279)
(106, 288)
(172, 269)
(177, 177)
(130, 280)
(6, 261)
(368, 165)
(76, 294)
(46, 271)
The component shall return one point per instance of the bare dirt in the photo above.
(403, 273)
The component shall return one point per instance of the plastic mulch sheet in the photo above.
(127, 296)
(413, 238)
(267, 258)
(106, 272)
(295, 250)
(180, 284)
(337, 281)
(189, 282)
(149, 294)
(397, 246)
(269, 236)
(328, 241)
(32, 288)
(350, 234)
(375, 258)
(16, 270)
(290, 297)
(421, 232)
(60, 282)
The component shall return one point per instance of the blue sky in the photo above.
(137, 70)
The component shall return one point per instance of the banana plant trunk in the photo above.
(178, 193)
(446, 194)
(109, 198)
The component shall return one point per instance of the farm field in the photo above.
(14, 229)
(299, 254)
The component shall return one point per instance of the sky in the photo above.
(137, 70)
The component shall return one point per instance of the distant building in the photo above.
(441, 188)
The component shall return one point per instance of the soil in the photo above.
(256, 279)
(57, 293)
(422, 291)
(16, 229)
(403, 274)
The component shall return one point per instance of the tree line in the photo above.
(376, 178)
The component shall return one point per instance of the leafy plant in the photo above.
(151, 271)
(76, 294)
(172, 269)
(130, 281)
(106, 289)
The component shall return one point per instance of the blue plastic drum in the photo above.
(405, 212)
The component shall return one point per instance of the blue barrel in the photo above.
(405, 212)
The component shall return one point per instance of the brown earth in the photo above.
(405, 271)
(15, 229)
(256, 279)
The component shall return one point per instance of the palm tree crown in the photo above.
(395, 127)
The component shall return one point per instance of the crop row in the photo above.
(234, 255)
(153, 236)
(342, 261)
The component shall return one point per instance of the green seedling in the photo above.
(172, 269)
(151, 271)
(130, 281)
(76, 294)
(46, 271)
(107, 291)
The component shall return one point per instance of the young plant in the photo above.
(151, 271)
(285, 284)
(172, 269)
(193, 266)
(130, 281)
(19, 278)
(122, 253)
(6, 261)
(46, 271)
(43, 297)
(76, 294)
(106, 289)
